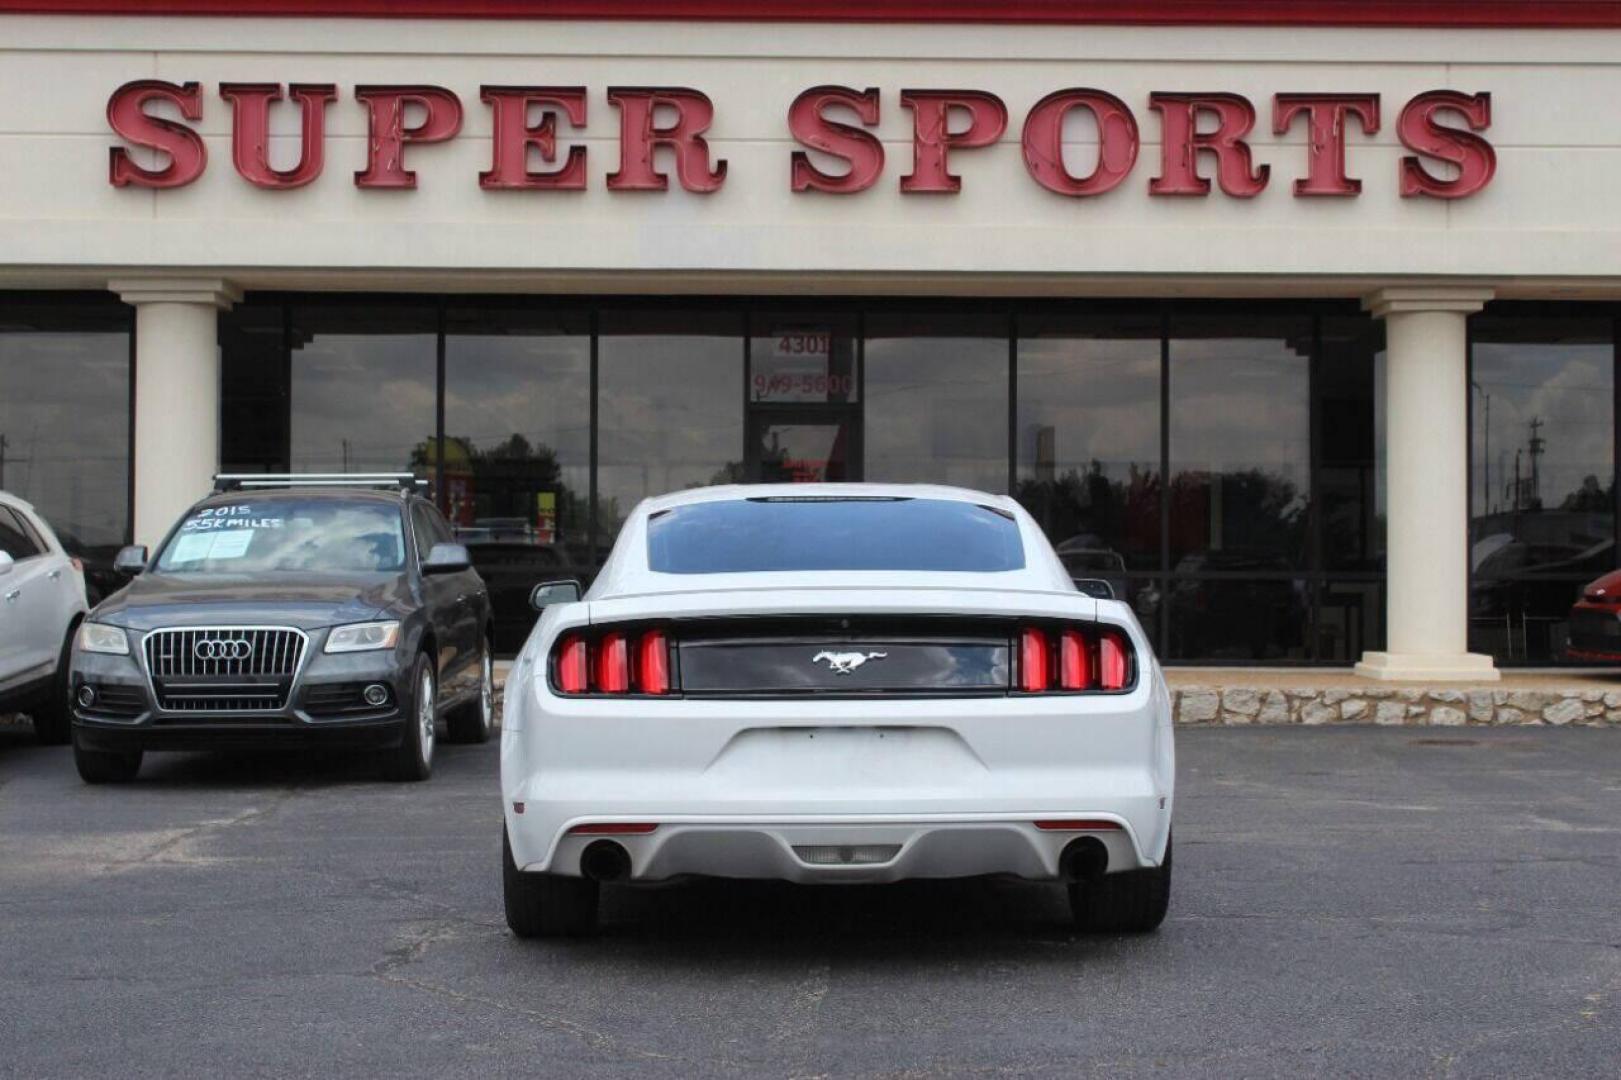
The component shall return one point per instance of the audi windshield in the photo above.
(287, 536)
(821, 533)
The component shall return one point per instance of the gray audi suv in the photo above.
(289, 611)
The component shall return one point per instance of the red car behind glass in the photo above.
(1595, 621)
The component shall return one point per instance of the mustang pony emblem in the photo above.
(845, 663)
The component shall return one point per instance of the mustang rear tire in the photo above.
(473, 721)
(106, 767)
(413, 758)
(1134, 902)
(52, 722)
(546, 905)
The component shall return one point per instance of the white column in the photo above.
(177, 394)
(1427, 485)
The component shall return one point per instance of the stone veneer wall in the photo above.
(1410, 707)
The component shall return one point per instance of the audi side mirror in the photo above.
(6, 563)
(130, 560)
(1096, 588)
(447, 559)
(548, 593)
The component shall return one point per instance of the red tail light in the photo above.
(1073, 658)
(653, 663)
(1034, 668)
(1074, 661)
(1114, 665)
(613, 664)
(617, 662)
(573, 666)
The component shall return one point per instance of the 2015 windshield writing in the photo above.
(317, 536)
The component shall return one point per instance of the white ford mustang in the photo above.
(835, 683)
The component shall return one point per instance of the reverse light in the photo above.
(363, 637)
(101, 638)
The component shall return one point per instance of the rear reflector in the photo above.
(1034, 667)
(614, 828)
(1080, 825)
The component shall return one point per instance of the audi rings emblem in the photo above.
(223, 649)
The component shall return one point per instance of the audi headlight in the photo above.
(363, 636)
(101, 638)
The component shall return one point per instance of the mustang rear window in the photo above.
(287, 535)
(818, 533)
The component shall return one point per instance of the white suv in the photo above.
(41, 603)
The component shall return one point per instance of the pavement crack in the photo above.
(391, 970)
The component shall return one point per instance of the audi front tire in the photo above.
(412, 759)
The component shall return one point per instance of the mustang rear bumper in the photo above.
(844, 849)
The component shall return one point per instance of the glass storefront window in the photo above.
(1240, 489)
(1542, 477)
(670, 407)
(64, 420)
(363, 388)
(515, 475)
(1240, 442)
(936, 408)
(1087, 437)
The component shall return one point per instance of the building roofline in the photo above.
(1500, 14)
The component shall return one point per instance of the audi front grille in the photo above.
(224, 669)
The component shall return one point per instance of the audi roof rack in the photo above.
(404, 482)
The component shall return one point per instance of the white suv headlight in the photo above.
(101, 638)
(363, 636)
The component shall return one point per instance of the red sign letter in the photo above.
(1044, 142)
(640, 134)
(126, 113)
(250, 131)
(385, 165)
(860, 148)
(932, 138)
(1473, 155)
(1325, 122)
(514, 135)
(1182, 140)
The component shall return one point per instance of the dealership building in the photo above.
(1296, 320)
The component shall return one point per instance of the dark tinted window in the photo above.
(288, 535)
(15, 538)
(752, 535)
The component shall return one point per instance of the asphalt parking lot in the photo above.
(1353, 901)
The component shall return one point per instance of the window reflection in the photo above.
(670, 404)
(1240, 443)
(1088, 438)
(64, 420)
(937, 400)
(516, 476)
(1542, 477)
(363, 388)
